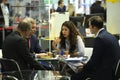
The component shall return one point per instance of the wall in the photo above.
(113, 19)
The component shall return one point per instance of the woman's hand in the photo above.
(75, 54)
(55, 42)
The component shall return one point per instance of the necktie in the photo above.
(28, 42)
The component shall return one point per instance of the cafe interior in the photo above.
(49, 23)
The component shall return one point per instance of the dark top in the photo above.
(61, 9)
(101, 66)
(15, 47)
(96, 8)
(34, 45)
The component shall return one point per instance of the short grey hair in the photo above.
(24, 25)
(30, 20)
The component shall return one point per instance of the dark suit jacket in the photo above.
(61, 9)
(98, 9)
(95, 8)
(101, 66)
(34, 45)
(15, 47)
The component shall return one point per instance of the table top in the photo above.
(70, 59)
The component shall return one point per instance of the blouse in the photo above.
(80, 47)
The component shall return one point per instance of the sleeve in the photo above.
(81, 47)
(64, 8)
(38, 48)
(35, 46)
(98, 51)
(58, 9)
(23, 50)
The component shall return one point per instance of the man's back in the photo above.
(15, 47)
(102, 64)
(12, 49)
(105, 56)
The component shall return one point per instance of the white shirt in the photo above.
(119, 42)
(80, 47)
(99, 32)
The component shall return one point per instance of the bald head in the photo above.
(24, 25)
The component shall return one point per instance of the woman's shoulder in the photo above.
(78, 37)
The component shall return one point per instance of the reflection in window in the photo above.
(83, 6)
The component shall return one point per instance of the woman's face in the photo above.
(65, 31)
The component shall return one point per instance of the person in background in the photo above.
(28, 7)
(97, 8)
(52, 10)
(61, 7)
(105, 55)
(15, 47)
(71, 10)
(70, 40)
(4, 14)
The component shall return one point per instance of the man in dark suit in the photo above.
(61, 7)
(33, 41)
(97, 8)
(15, 47)
(106, 52)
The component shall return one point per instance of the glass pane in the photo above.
(37, 9)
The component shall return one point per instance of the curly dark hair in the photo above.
(72, 36)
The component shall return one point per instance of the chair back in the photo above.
(117, 71)
(10, 70)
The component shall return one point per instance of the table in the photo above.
(50, 62)
(61, 64)
(34, 75)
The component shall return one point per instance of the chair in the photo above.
(117, 71)
(8, 72)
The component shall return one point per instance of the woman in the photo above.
(70, 40)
